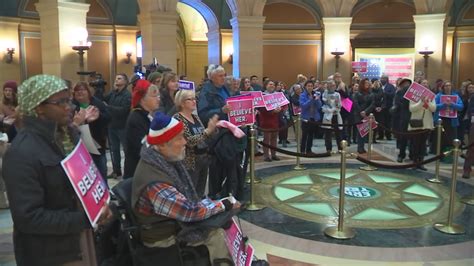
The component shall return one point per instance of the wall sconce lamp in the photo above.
(81, 44)
(337, 54)
(426, 54)
(10, 52)
(129, 55)
(230, 59)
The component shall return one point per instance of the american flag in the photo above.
(394, 67)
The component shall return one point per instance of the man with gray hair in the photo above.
(213, 96)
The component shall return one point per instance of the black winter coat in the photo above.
(46, 219)
(119, 103)
(401, 111)
(362, 102)
(136, 129)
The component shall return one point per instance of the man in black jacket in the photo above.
(388, 94)
(49, 226)
(402, 106)
(118, 106)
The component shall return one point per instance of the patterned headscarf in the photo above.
(35, 90)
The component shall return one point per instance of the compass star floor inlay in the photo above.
(372, 199)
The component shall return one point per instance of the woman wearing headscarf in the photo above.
(145, 101)
(49, 226)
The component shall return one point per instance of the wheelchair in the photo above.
(175, 255)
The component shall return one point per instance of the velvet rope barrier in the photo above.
(332, 125)
(291, 153)
(292, 123)
(403, 166)
(408, 133)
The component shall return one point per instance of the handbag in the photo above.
(416, 123)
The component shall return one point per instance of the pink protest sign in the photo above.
(88, 184)
(363, 128)
(296, 109)
(448, 112)
(258, 98)
(275, 100)
(417, 91)
(346, 104)
(241, 254)
(242, 110)
(360, 67)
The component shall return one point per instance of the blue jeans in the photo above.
(116, 137)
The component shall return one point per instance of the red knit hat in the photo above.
(11, 84)
(139, 91)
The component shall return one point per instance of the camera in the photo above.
(316, 94)
(98, 83)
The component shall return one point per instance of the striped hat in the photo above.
(163, 128)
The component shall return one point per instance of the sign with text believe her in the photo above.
(87, 182)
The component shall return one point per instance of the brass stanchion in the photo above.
(252, 206)
(369, 148)
(252, 156)
(298, 166)
(450, 227)
(339, 232)
(439, 129)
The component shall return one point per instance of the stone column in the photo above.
(158, 30)
(227, 45)
(59, 20)
(430, 35)
(247, 34)
(337, 38)
(214, 47)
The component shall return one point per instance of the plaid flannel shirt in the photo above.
(165, 200)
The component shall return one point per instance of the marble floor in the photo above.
(285, 239)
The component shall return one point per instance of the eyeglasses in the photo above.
(63, 102)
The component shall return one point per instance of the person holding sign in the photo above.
(420, 111)
(50, 227)
(363, 105)
(213, 96)
(269, 120)
(331, 116)
(448, 103)
(310, 102)
(197, 138)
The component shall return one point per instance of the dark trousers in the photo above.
(328, 135)
(199, 174)
(388, 123)
(402, 146)
(450, 133)
(361, 142)
(101, 162)
(378, 132)
(308, 130)
(116, 138)
(418, 146)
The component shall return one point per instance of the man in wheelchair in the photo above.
(164, 197)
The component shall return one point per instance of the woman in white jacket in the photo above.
(421, 110)
(331, 116)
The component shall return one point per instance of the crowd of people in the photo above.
(176, 145)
